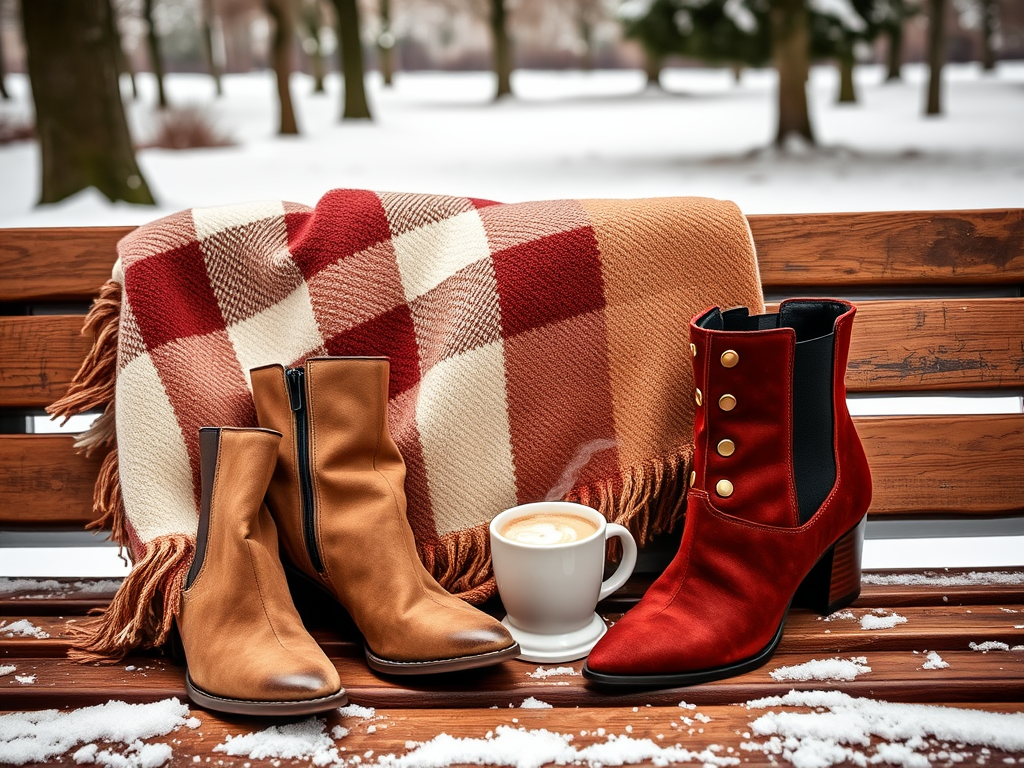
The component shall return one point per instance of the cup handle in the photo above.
(626, 564)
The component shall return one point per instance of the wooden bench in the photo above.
(941, 312)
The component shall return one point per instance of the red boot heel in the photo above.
(834, 581)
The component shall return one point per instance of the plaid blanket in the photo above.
(538, 350)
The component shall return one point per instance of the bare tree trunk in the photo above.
(350, 49)
(3, 87)
(652, 67)
(989, 9)
(284, 31)
(895, 52)
(847, 94)
(386, 44)
(936, 56)
(80, 122)
(586, 30)
(502, 48)
(790, 44)
(208, 46)
(124, 66)
(154, 52)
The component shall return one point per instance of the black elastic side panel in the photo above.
(209, 443)
(814, 462)
(712, 319)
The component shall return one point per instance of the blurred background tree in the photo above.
(282, 14)
(83, 135)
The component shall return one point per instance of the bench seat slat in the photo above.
(75, 597)
(390, 730)
(895, 676)
(934, 628)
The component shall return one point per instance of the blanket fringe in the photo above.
(143, 609)
(648, 500)
(108, 503)
(94, 385)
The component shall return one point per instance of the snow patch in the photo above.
(932, 579)
(22, 628)
(824, 669)
(843, 723)
(877, 621)
(6, 669)
(25, 679)
(542, 674)
(533, 703)
(33, 737)
(989, 645)
(934, 661)
(354, 710)
(840, 615)
(306, 740)
(521, 748)
(138, 755)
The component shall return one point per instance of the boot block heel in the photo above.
(834, 581)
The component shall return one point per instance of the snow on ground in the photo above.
(576, 134)
(823, 669)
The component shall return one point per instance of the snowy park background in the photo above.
(577, 134)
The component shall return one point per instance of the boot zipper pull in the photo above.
(296, 388)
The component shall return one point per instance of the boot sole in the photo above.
(683, 679)
(263, 708)
(428, 667)
(434, 666)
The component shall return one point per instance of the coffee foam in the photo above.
(548, 529)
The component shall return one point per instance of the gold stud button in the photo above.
(727, 402)
(693, 478)
(698, 397)
(726, 447)
(693, 349)
(729, 358)
(723, 488)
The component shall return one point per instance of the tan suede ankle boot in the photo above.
(246, 648)
(338, 496)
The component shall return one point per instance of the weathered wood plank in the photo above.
(844, 249)
(44, 483)
(890, 248)
(921, 465)
(62, 263)
(389, 731)
(48, 349)
(932, 628)
(945, 465)
(898, 346)
(934, 345)
(895, 676)
(75, 597)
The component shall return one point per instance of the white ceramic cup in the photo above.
(550, 591)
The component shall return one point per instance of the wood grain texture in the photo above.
(945, 465)
(44, 483)
(840, 249)
(75, 597)
(895, 676)
(389, 731)
(60, 263)
(921, 466)
(41, 353)
(890, 248)
(935, 345)
(935, 628)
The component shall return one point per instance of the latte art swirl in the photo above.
(548, 530)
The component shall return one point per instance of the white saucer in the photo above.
(554, 648)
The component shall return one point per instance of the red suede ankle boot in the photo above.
(775, 510)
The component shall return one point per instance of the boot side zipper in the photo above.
(297, 396)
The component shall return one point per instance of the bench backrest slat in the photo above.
(945, 340)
